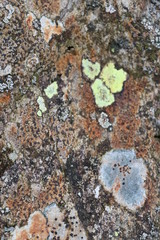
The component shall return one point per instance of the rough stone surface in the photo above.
(79, 93)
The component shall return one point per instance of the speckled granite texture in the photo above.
(79, 119)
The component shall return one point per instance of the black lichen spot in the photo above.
(92, 4)
(101, 149)
(73, 172)
(5, 162)
(91, 27)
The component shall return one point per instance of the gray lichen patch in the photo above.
(55, 221)
(7, 70)
(8, 83)
(124, 175)
(31, 62)
(8, 15)
(104, 121)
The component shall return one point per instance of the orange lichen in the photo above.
(87, 104)
(21, 203)
(152, 197)
(19, 207)
(117, 187)
(91, 128)
(57, 30)
(5, 99)
(21, 234)
(93, 55)
(70, 21)
(35, 229)
(50, 224)
(48, 5)
(129, 24)
(88, 107)
(31, 132)
(143, 149)
(53, 191)
(47, 34)
(124, 112)
(49, 28)
(29, 20)
(11, 134)
(37, 226)
(125, 131)
(68, 58)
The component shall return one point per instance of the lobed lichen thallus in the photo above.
(124, 175)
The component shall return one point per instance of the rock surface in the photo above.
(79, 119)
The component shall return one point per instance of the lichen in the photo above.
(50, 224)
(124, 175)
(55, 221)
(13, 156)
(49, 28)
(8, 16)
(29, 20)
(91, 70)
(110, 8)
(36, 228)
(113, 78)
(7, 70)
(116, 234)
(42, 107)
(8, 84)
(51, 90)
(104, 120)
(103, 96)
(31, 61)
(39, 113)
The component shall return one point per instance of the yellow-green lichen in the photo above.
(51, 90)
(103, 96)
(42, 107)
(39, 113)
(116, 233)
(91, 70)
(113, 78)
